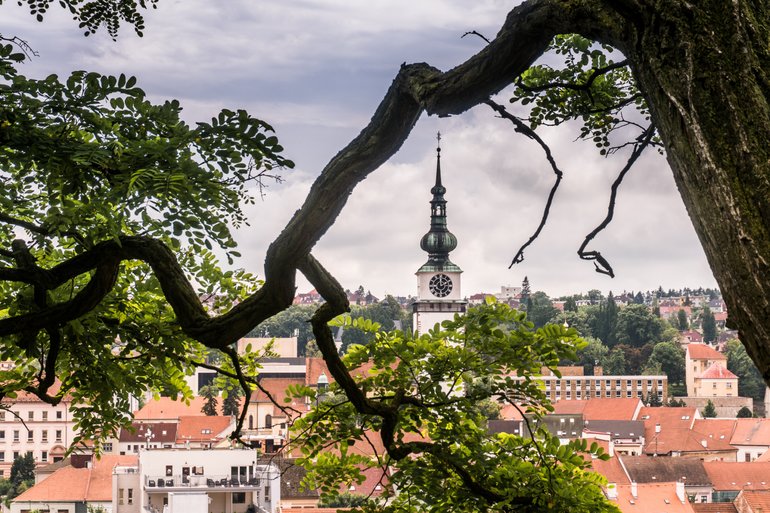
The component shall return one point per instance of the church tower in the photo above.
(438, 280)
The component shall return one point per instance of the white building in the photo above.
(203, 481)
(30, 425)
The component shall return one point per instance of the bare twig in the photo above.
(600, 263)
(520, 127)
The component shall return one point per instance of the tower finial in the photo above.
(438, 141)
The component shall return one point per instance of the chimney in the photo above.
(704, 443)
(657, 428)
(634, 490)
(680, 491)
(611, 449)
(612, 491)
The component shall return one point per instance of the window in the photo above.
(2, 436)
(628, 383)
(239, 497)
(15, 435)
(30, 436)
(713, 385)
(58, 415)
(729, 385)
(628, 393)
(2, 415)
(617, 394)
(30, 415)
(58, 435)
(577, 395)
(120, 496)
(108, 447)
(45, 416)
(2, 455)
(44, 436)
(15, 455)
(130, 495)
(44, 456)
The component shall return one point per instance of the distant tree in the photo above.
(636, 357)
(673, 402)
(593, 353)
(750, 382)
(682, 323)
(639, 298)
(489, 408)
(653, 400)
(343, 500)
(525, 294)
(294, 321)
(231, 403)
(670, 358)
(637, 326)
(540, 309)
(595, 296)
(708, 325)
(22, 474)
(614, 364)
(709, 411)
(570, 305)
(744, 413)
(655, 307)
(311, 350)
(210, 405)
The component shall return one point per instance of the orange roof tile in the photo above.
(757, 500)
(193, 428)
(657, 497)
(70, 484)
(165, 408)
(717, 371)
(714, 507)
(751, 432)
(730, 475)
(600, 408)
(612, 469)
(704, 352)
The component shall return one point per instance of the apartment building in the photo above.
(573, 385)
(28, 424)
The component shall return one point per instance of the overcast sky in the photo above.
(317, 70)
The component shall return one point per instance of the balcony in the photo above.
(203, 483)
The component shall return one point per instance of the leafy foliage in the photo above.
(441, 456)
(87, 162)
(750, 383)
(590, 86)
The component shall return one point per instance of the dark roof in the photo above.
(504, 426)
(162, 432)
(616, 428)
(292, 475)
(646, 469)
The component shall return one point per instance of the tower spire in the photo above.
(439, 241)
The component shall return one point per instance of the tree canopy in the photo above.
(112, 205)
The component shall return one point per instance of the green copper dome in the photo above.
(439, 241)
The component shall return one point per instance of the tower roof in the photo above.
(439, 241)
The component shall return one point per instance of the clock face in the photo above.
(440, 285)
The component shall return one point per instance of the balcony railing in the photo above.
(160, 483)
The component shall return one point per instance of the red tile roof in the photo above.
(757, 500)
(611, 469)
(704, 352)
(658, 498)
(730, 475)
(71, 484)
(193, 428)
(165, 408)
(714, 507)
(751, 432)
(600, 408)
(717, 371)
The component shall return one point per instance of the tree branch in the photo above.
(600, 263)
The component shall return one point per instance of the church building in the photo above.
(438, 280)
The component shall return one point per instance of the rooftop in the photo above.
(704, 352)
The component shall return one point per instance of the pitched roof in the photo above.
(714, 507)
(716, 429)
(601, 408)
(644, 469)
(751, 432)
(161, 432)
(717, 371)
(757, 500)
(71, 484)
(732, 476)
(616, 428)
(658, 498)
(203, 428)
(611, 469)
(165, 408)
(704, 352)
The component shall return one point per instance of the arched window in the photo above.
(251, 421)
(268, 421)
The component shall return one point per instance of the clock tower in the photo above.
(438, 280)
